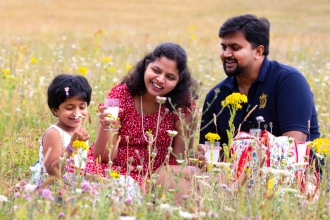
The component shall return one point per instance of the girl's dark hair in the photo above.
(186, 89)
(256, 30)
(78, 87)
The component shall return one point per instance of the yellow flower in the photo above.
(234, 100)
(212, 137)
(321, 146)
(5, 71)
(128, 67)
(270, 184)
(80, 144)
(114, 174)
(112, 69)
(106, 59)
(83, 70)
(34, 60)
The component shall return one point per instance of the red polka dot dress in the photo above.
(132, 144)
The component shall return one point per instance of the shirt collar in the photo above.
(231, 82)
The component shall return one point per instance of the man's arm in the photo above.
(298, 136)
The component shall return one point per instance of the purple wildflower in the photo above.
(47, 194)
(86, 187)
(61, 215)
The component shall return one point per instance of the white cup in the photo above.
(255, 132)
(212, 152)
(112, 109)
(113, 106)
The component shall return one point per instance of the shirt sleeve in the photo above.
(294, 103)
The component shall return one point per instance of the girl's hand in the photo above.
(80, 134)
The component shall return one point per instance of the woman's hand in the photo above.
(107, 122)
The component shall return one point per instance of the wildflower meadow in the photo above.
(102, 40)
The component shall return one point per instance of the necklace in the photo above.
(144, 135)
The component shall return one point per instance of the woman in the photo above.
(142, 130)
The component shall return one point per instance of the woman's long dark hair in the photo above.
(186, 89)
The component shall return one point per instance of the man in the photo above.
(281, 93)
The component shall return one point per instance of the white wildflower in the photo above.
(222, 164)
(160, 99)
(29, 187)
(127, 218)
(186, 215)
(281, 172)
(3, 198)
(260, 119)
(180, 161)
(166, 207)
(172, 133)
(301, 164)
(229, 209)
(201, 177)
(290, 190)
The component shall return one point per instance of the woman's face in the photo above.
(161, 76)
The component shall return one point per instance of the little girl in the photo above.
(68, 99)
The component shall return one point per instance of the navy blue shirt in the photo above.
(283, 97)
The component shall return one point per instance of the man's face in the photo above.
(237, 54)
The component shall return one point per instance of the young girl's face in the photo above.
(69, 111)
(161, 76)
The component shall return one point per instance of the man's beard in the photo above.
(238, 70)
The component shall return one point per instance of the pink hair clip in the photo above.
(66, 89)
